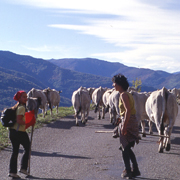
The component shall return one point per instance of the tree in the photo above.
(137, 84)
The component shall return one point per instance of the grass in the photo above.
(40, 121)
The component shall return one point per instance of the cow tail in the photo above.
(80, 100)
(107, 109)
(96, 107)
(165, 96)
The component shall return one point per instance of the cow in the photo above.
(97, 100)
(53, 98)
(81, 101)
(38, 93)
(105, 99)
(176, 92)
(139, 102)
(113, 102)
(162, 109)
(90, 90)
(132, 89)
(33, 104)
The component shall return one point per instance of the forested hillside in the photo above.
(25, 72)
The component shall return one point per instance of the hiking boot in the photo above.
(126, 174)
(115, 135)
(135, 172)
(14, 175)
(24, 171)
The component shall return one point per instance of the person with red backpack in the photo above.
(18, 135)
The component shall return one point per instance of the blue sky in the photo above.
(137, 33)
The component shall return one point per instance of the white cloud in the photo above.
(148, 34)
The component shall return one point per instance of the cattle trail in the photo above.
(62, 150)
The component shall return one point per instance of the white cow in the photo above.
(176, 92)
(38, 93)
(114, 106)
(132, 89)
(81, 103)
(105, 99)
(97, 100)
(162, 109)
(53, 98)
(139, 102)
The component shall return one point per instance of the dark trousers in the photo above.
(17, 138)
(128, 155)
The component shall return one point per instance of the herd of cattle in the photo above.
(159, 107)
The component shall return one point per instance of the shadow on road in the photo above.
(176, 140)
(56, 154)
(33, 177)
(151, 178)
(50, 154)
(176, 130)
(62, 124)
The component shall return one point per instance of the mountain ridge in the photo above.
(25, 72)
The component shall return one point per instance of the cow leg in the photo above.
(114, 117)
(99, 114)
(87, 115)
(143, 128)
(161, 144)
(43, 111)
(83, 117)
(76, 116)
(57, 109)
(167, 141)
(161, 147)
(103, 112)
(150, 127)
(110, 115)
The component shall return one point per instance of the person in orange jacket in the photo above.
(18, 135)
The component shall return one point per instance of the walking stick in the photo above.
(32, 130)
(139, 133)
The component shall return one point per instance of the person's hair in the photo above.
(121, 80)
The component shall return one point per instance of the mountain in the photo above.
(156, 79)
(21, 72)
(25, 72)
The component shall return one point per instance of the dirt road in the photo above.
(61, 150)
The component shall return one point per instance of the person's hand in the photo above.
(118, 121)
(123, 130)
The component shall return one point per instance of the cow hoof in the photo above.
(144, 135)
(161, 150)
(83, 122)
(139, 137)
(151, 133)
(77, 124)
(168, 147)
